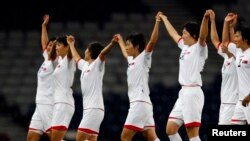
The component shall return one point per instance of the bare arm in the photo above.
(71, 42)
(154, 35)
(231, 28)
(213, 33)
(225, 33)
(171, 30)
(204, 29)
(44, 34)
(122, 45)
(108, 48)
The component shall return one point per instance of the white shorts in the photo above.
(188, 107)
(91, 121)
(140, 116)
(241, 114)
(62, 115)
(41, 119)
(226, 113)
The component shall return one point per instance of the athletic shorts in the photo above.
(140, 116)
(241, 114)
(226, 113)
(41, 119)
(188, 107)
(62, 115)
(91, 121)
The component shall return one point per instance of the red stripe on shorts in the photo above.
(134, 128)
(59, 128)
(88, 131)
(193, 124)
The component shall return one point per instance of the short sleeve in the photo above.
(81, 63)
(232, 48)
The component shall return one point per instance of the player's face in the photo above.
(187, 38)
(61, 50)
(87, 55)
(50, 46)
(238, 39)
(129, 48)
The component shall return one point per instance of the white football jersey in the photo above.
(63, 78)
(229, 84)
(44, 93)
(191, 63)
(91, 83)
(243, 69)
(137, 73)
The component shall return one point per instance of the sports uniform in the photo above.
(91, 85)
(241, 114)
(41, 119)
(229, 88)
(64, 106)
(140, 114)
(189, 105)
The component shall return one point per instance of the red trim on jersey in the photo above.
(59, 128)
(134, 128)
(179, 40)
(88, 131)
(218, 46)
(78, 60)
(193, 124)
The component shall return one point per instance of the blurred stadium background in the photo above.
(21, 57)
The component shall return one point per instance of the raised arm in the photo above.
(204, 29)
(213, 32)
(44, 34)
(155, 33)
(231, 27)
(122, 45)
(171, 30)
(71, 42)
(225, 33)
(108, 48)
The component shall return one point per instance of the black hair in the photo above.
(52, 39)
(193, 28)
(244, 30)
(95, 48)
(63, 40)
(137, 38)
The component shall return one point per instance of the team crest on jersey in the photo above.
(228, 63)
(131, 64)
(87, 71)
(244, 61)
(184, 53)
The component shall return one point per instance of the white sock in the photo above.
(175, 137)
(197, 138)
(157, 139)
